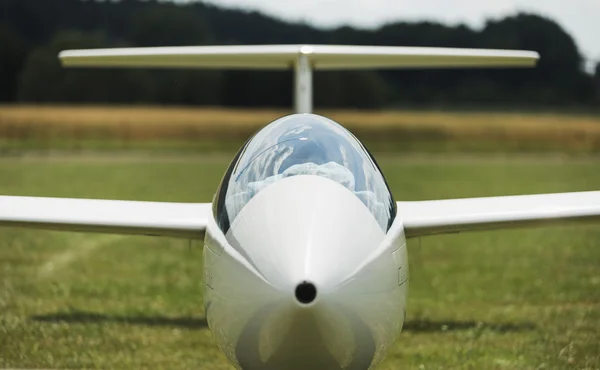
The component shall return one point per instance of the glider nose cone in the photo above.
(319, 301)
(305, 236)
(305, 293)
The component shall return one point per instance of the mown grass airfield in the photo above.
(518, 299)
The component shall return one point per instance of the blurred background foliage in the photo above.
(32, 32)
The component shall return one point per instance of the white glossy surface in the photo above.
(305, 228)
(284, 57)
(108, 216)
(458, 215)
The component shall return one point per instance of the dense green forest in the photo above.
(32, 32)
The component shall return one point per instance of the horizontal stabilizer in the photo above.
(187, 220)
(457, 215)
(285, 56)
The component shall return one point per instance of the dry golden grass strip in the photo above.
(151, 123)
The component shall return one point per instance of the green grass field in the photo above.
(520, 299)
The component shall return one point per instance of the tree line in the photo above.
(32, 32)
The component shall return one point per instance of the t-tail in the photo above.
(303, 59)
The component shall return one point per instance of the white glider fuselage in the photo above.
(310, 269)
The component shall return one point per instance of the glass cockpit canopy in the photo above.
(303, 144)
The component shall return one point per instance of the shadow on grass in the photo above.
(81, 317)
(414, 326)
(428, 326)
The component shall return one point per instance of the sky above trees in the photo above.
(578, 17)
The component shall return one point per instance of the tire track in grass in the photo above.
(78, 248)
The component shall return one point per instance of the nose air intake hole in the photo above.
(306, 292)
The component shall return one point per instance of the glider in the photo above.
(305, 254)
